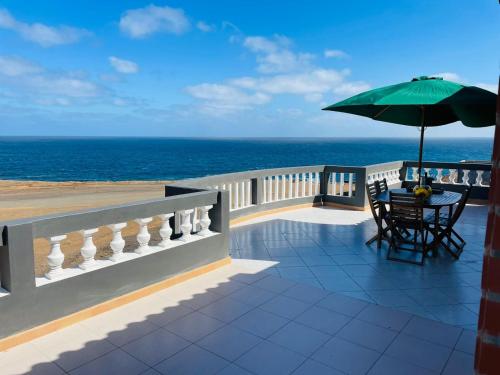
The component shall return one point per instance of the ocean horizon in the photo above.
(130, 158)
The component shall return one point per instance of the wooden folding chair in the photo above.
(406, 215)
(378, 212)
(447, 236)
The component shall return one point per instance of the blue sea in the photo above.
(120, 159)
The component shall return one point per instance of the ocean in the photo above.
(121, 159)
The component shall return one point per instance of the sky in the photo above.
(230, 68)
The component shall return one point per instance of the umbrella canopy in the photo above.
(424, 101)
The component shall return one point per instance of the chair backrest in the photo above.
(372, 193)
(382, 185)
(406, 208)
(461, 205)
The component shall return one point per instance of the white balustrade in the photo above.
(350, 185)
(205, 221)
(55, 258)
(117, 244)
(465, 177)
(186, 225)
(283, 187)
(165, 230)
(439, 175)
(88, 249)
(143, 236)
(479, 178)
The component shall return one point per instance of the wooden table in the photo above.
(434, 202)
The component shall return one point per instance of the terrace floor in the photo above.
(241, 320)
(325, 247)
(310, 301)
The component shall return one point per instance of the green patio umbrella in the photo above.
(423, 102)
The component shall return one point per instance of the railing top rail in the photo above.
(384, 166)
(58, 224)
(238, 176)
(448, 165)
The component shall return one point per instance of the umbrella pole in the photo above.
(421, 148)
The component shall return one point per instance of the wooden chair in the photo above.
(406, 215)
(378, 212)
(447, 236)
(382, 185)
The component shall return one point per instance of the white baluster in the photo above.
(479, 178)
(55, 258)
(143, 235)
(310, 187)
(439, 175)
(415, 174)
(270, 189)
(283, 187)
(223, 186)
(334, 183)
(465, 178)
(205, 221)
(216, 187)
(296, 186)
(230, 187)
(303, 185)
(453, 176)
(117, 244)
(290, 186)
(243, 194)
(88, 249)
(316, 183)
(236, 190)
(350, 184)
(264, 189)
(276, 187)
(165, 230)
(341, 184)
(249, 192)
(186, 225)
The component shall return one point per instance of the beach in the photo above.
(23, 199)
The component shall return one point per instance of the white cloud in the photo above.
(335, 53)
(205, 27)
(489, 86)
(449, 76)
(219, 99)
(15, 66)
(142, 22)
(44, 35)
(274, 54)
(123, 66)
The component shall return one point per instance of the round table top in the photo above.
(448, 198)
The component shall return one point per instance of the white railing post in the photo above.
(117, 244)
(342, 180)
(165, 230)
(465, 177)
(270, 188)
(249, 193)
(236, 195)
(303, 185)
(290, 186)
(439, 176)
(264, 190)
(310, 184)
(186, 225)
(479, 178)
(205, 221)
(296, 186)
(88, 249)
(55, 258)
(143, 236)
(283, 187)
(276, 188)
(230, 187)
(350, 184)
(316, 183)
(243, 194)
(334, 183)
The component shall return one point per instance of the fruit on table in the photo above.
(422, 191)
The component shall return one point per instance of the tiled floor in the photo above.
(241, 320)
(326, 248)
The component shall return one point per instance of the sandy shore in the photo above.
(23, 199)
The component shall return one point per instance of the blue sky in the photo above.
(230, 68)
